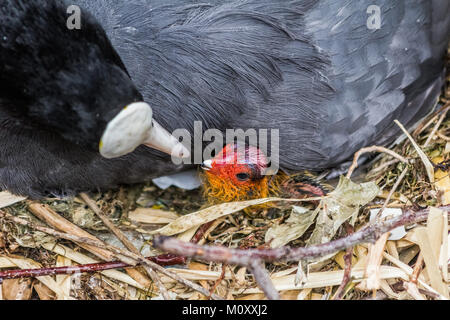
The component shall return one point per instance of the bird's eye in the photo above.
(242, 176)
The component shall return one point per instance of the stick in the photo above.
(262, 278)
(391, 192)
(372, 149)
(56, 221)
(252, 258)
(370, 234)
(93, 267)
(136, 259)
(348, 268)
(162, 260)
(435, 128)
(127, 243)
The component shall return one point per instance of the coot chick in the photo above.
(238, 173)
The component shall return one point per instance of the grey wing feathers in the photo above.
(395, 75)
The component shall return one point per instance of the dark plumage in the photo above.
(49, 74)
(310, 68)
(58, 90)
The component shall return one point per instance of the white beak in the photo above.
(207, 165)
(134, 126)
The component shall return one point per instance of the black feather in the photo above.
(310, 68)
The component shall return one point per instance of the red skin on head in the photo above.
(236, 174)
(236, 160)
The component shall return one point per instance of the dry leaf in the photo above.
(431, 262)
(64, 281)
(16, 289)
(339, 206)
(447, 148)
(7, 199)
(373, 266)
(152, 216)
(303, 295)
(327, 278)
(44, 292)
(209, 214)
(444, 256)
(289, 295)
(294, 227)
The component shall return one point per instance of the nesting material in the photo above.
(397, 233)
(7, 199)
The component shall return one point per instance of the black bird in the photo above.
(61, 93)
(317, 70)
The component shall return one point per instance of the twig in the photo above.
(252, 258)
(56, 221)
(218, 281)
(435, 128)
(412, 289)
(384, 165)
(127, 243)
(348, 268)
(347, 274)
(372, 271)
(423, 126)
(370, 234)
(163, 260)
(391, 192)
(136, 259)
(201, 231)
(46, 214)
(417, 269)
(425, 160)
(262, 278)
(119, 234)
(442, 136)
(372, 149)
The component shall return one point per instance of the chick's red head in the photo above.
(236, 173)
(239, 164)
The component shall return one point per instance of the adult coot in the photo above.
(322, 72)
(64, 94)
(317, 70)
